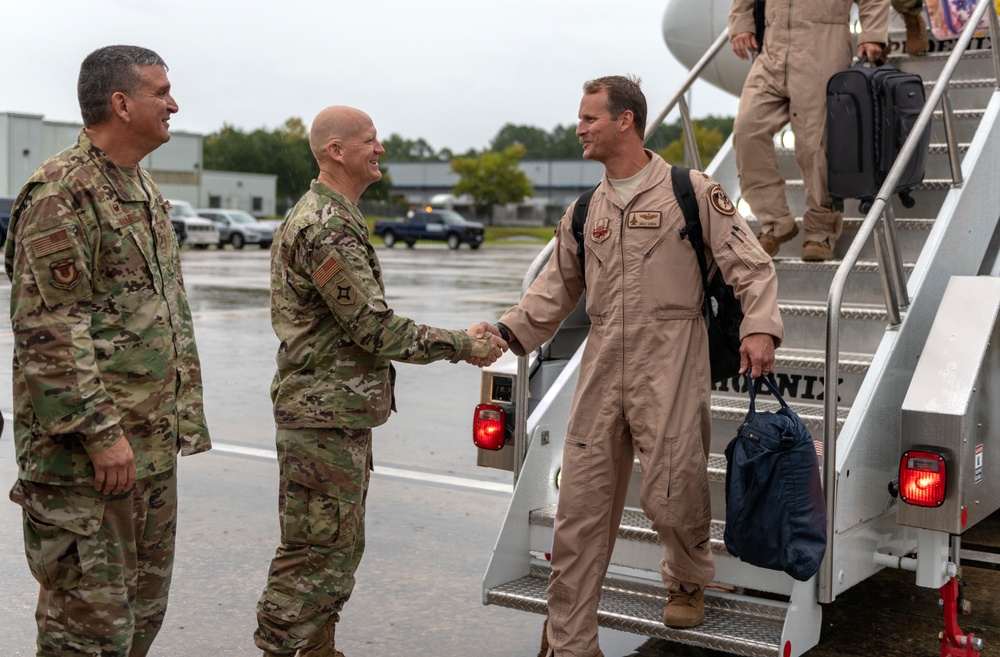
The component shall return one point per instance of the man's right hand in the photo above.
(114, 468)
(745, 44)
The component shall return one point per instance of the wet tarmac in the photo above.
(433, 514)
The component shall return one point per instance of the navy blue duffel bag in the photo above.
(775, 509)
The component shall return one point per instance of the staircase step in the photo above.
(801, 377)
(860, 330)
(912, 234)
(740, 625)
(810, 281)
(635, 526)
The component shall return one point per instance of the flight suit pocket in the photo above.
(687, 498)
(61, 536)
(317, 510)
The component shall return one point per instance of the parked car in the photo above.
(199, 232)
(430, 224)
(6, 205)
(238, 227)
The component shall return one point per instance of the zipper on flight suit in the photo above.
(621, 247)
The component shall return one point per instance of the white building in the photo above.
(27, 140)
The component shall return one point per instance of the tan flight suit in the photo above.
(805, 42)
(643, 385)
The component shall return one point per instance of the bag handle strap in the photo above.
(753, 387)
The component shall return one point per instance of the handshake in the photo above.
(495, 346)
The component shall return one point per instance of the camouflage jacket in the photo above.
(337, 334)
(103, 339)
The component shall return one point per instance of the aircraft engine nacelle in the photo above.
(690, 27)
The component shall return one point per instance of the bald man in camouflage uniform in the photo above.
(107, 382)
(334, 383)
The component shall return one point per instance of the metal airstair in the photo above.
(864, 316)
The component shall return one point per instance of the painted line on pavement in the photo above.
(380, 470)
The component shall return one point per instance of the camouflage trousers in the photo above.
(323, 483)
(103, 562)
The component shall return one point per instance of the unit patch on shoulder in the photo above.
(325, 272)
(345, 295)
(644, 219)
(65, 275)
(721, 202)
(601, 230)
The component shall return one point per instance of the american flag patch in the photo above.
(51, 243)
(326, 271)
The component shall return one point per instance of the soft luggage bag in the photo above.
(947, 18)
(775, 508)
(870, 113)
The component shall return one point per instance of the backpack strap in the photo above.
(579, 219)
(684, 191)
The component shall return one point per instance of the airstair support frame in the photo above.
(829, 582)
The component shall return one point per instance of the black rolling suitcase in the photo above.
(869, 114)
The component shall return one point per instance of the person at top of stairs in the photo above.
(787, 82)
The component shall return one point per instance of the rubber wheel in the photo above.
(265, 245)
(453, 241)
(389, 238)
(475, 246)
(237, 241)
(410, 244)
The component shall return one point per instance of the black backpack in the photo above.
(722, 310)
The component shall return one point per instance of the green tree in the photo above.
(492, 178)
(400, 149)
(283, 152)
(709, 142)
(536, 142)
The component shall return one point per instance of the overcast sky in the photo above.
(450, 71)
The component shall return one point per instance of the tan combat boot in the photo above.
(684, 609)
(916, 34)
(321, 644)
(771, 242)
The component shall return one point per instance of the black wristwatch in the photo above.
(504, 332)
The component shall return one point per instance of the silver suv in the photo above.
(238, 227)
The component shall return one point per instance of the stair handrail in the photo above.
(890, 261)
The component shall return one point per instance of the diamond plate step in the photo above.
(739, 625)
(636, 526)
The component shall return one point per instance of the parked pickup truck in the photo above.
(427, 224)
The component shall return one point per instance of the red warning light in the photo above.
(922, 478)
(489, 427)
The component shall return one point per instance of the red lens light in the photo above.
(489, 427)
(922, 478)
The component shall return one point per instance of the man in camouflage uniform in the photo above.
(334, 383)
(107, 383)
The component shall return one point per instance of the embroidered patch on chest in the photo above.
(644, 219)
(325, 272)
(601, 230)
(721, 202)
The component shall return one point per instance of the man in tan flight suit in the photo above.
(805, 42)
(644, 299)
